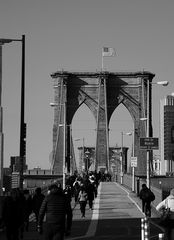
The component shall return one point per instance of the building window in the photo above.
(172, 134)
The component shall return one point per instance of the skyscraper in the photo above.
(167, 134)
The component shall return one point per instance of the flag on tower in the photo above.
(108, 52)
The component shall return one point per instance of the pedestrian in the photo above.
(54, 206)
(82, 200)
(12, 215)
(76, 189)
(91, 193)
(147, 196)
(37, 202)
(168, 224)
(27, 208)
(68, 219)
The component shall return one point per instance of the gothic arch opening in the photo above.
(83, 131)
(121, 129)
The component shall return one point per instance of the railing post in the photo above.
(161, 236)
(142, 228)
(146, 228)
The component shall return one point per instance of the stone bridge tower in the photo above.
(102, 92)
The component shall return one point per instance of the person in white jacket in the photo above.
(82, 200)
(168, 203)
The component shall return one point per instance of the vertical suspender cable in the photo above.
(98, 110)
(107, 129)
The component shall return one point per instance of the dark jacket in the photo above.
(146, 194)
(13, 211)
(54, 206)
(37, 202)
(91, 191)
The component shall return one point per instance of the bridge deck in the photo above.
(116, 213)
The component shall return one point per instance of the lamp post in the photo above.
(132, 155)
(22, 151)
(87, 159)
(147, 118)
(64, 155)
(83, 145)
(121, 157)
(64, 140)
(2, 42)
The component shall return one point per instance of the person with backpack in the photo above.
(147, 196)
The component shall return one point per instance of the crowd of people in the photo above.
(56, 205)
(17, 207)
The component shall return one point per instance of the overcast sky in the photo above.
(69, 35)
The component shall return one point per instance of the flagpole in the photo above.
(102, 59)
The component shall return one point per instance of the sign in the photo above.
(133, 161)
(149, 143)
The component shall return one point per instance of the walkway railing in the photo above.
(145, 230)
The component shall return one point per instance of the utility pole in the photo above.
(2, 42)
(22, 153)
(22, 123)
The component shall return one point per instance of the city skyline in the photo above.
(70, 35)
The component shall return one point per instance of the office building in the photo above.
(167, 135)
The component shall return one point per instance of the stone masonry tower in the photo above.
(102, 92)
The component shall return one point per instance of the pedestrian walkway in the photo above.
(116, 212)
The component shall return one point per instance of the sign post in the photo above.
(148, 144)
(133, 165)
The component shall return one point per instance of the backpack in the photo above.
(151, 196)
(148, 195)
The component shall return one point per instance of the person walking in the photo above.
(37, 202)
(91, 193)
(147, 196)
(68, 219)
(12, 215)
(54, 206)
(82, 200)
(76, 189)
(27, 207)
(168, 224)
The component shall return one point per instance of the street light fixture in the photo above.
(163, 83)
(22, 123)
(52, 104)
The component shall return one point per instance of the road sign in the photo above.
(133, 161)
(149, 143)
